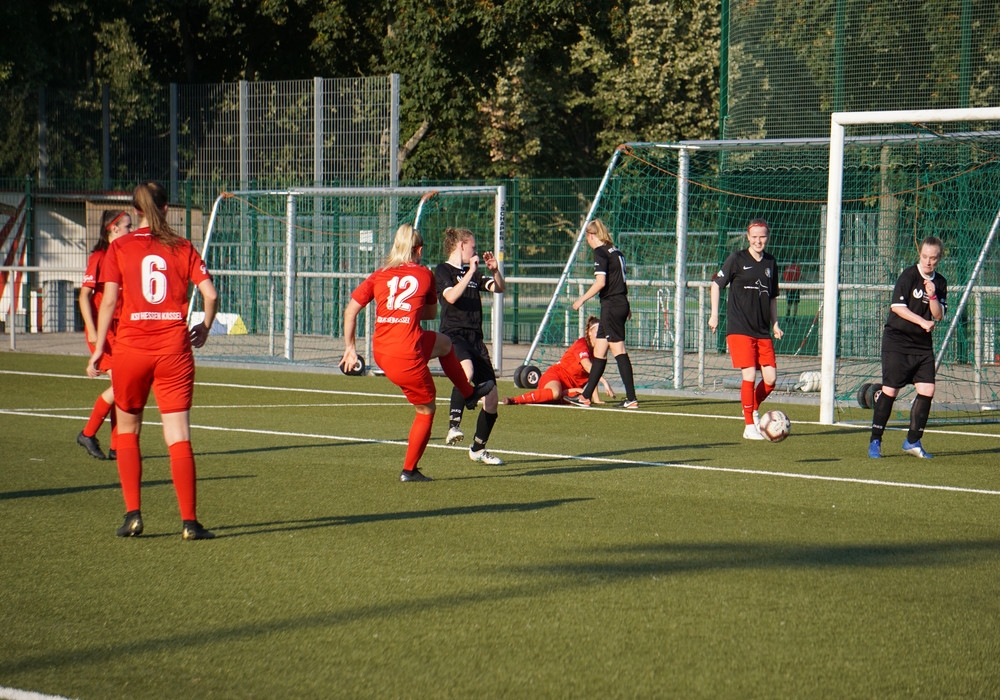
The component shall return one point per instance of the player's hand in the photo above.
(577, 304)
(349, 359)
(92, 338)
(473, 262)
(490, 261)
(929, 289)
(198, 335)
(713, 322)
(92, 370)
(608, 391)
(778, 333)
(928, 325)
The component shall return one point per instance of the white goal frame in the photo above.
(291, 195)
(831, 274)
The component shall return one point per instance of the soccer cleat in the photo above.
(90, 445)
(455, 435)
(479, 392)
(193, 530)
(577, 400)
(915, 449)
(875, 449)
(751, 432)
(132, 527)
(485, 457)
(628, 403)
(112, 455)
(508, 401)
(413, 475)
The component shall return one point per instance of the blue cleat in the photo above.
(875, 449)
(916, 449)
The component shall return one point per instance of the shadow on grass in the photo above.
(606, 565)
(361, 519)
(67, 490)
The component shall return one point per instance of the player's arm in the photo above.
(104, 316)
(87, 312)
(715, 292)
(600, 279)
(934, 303)
(429, 312)
(497, 285)
(775, 328)
(904, 313)
(350, 356)
(210, 302)
(453, 294)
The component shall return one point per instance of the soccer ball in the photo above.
(775, 426)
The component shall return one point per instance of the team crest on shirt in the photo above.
(918, 293)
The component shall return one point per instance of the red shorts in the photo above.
(171, 377)
(750, 352)
(412, 375)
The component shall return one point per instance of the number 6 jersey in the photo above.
(153, 284)
(400, 295)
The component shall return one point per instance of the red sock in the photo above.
(100, 411)
(452, 367)
(746, 397)
(183, 474)
(130, 470)
(761, 392)
(420, 435)
(542, 395)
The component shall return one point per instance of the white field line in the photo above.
(15, 694)
(558, 456)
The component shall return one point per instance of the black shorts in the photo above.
(614, 312)
(474, 349)
(900, 369)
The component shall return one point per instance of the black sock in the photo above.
(918, 418)
(625, 370)
(881, 413)
(484, 426)
(596, 372)
(456, 408)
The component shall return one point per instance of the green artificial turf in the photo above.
(651, 553)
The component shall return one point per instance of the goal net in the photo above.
(677, 210)
(285, 263)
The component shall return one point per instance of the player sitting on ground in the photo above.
(571, 372)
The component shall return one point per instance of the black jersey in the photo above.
(752, 285)
(902, 335)
(466, 314)
(610, 262)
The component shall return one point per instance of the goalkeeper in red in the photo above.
(571, 372)
(405, 294)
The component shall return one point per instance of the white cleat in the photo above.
(485, 457)
(756, 418)
(751, 432)
(455, 436)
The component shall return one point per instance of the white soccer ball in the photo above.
(775, 426)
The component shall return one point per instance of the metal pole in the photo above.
(680, 274)
(498, 247)
(831, 270)
(290, 279)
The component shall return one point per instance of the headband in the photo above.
(114, 221)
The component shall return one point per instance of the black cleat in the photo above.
(132, 527)
(479, 392)
(193, 530)
(112, 455)
(90, 445)
(414, 475)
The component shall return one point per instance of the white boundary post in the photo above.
(831, 273)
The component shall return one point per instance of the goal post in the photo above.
(839, 121)
(286, 260)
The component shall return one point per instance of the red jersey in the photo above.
(570, 367)
(153, 280)
(90, 277)
(400, 295)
